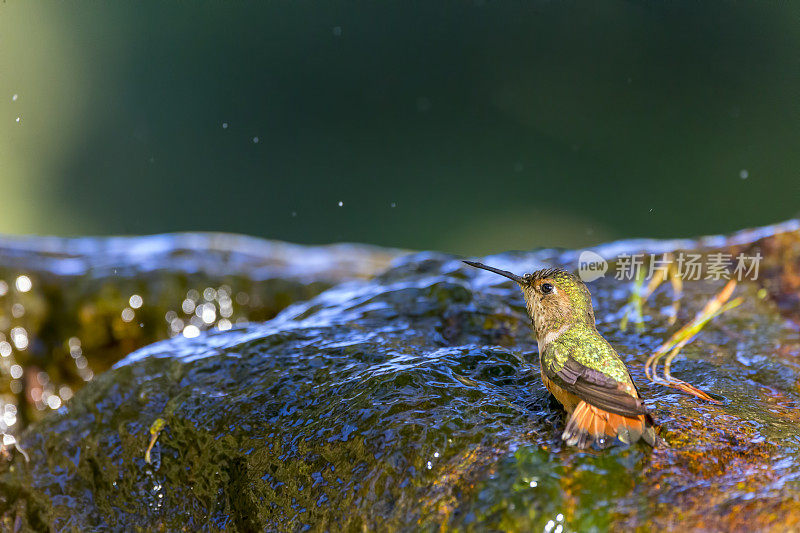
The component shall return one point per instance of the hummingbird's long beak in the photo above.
(504, 273)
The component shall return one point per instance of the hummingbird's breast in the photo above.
(550, 336)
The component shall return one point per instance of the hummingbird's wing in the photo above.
(593, 386)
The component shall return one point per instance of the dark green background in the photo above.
(489, 125)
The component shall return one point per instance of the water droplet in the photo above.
(255, 140)
(208, 313)
(127, 314)
(341, 204)
(744, 174)
(176, 325)
(20, 338)
(242, 298)
(191, 331)
(136, 301)
(65, 392)
(53, 401)
(188, 306)
(24, 283)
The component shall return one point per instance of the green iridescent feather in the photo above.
(582, 343)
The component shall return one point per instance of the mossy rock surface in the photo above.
(412, 400)
(71, 308)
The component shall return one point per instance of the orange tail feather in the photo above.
(591, 425)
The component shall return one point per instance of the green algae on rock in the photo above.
(412, 401)
(71, 308)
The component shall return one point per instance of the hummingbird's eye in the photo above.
(547, 288)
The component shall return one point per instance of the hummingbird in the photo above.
(579, 367)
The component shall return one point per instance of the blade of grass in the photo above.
(685, 335)
(634, 303)
(677, 292)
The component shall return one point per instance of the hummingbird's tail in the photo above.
(591, 425)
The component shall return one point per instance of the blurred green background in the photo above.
(469, 127)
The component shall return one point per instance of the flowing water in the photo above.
(411, 399)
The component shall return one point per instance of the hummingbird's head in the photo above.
(553, 296)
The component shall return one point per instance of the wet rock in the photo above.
(70, 308)
(412, 400)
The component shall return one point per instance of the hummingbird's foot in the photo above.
(716, 306)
